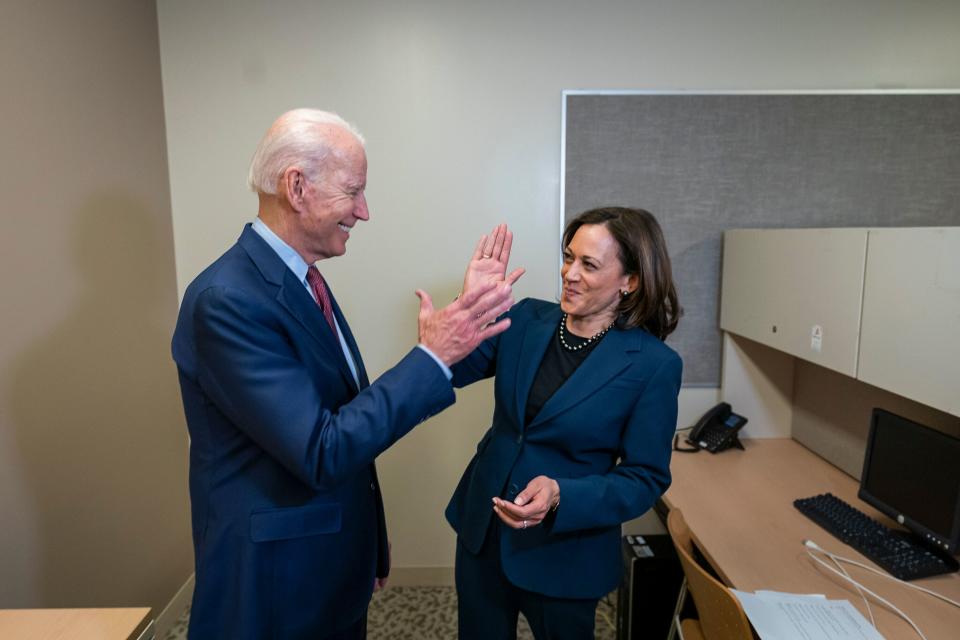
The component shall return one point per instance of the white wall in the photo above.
(460, 103)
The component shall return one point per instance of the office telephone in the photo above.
(716, 430)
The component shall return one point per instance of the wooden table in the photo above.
(76, 624)
(739, 506)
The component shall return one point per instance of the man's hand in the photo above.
(455, 330)
(531, 505)
(490, 259)
(381, 583)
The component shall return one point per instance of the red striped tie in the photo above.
(323, 296)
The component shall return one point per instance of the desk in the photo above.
(76, 624)
(739, 506)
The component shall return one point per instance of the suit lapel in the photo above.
(292, 295)
(534, 345)
(608, 359)
(351, 343)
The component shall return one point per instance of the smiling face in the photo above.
(593, 276)
(334, 202)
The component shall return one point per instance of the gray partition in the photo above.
(704, 163)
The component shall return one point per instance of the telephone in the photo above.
(716, 430)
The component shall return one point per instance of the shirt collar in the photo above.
(286, 253)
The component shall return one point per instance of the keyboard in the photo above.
(891, 550)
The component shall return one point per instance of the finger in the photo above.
(498, 307)
(478, 252)
(488, 243)
(498, 241)
(494, 297)
(516, 522)
(426, 303)
(507, 520)
(507, 243)
(515, 275)
(525, 496)
(494, 329)
(470, 298)
(537, 508)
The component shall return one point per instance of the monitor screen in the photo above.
(912, 473)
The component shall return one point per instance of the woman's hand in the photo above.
(531, 506)
(489, 260)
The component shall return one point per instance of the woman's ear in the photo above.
(633, 281)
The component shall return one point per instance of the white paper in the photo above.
(787, 616)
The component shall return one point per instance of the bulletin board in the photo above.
(706, 162)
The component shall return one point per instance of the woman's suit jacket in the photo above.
(620, 404)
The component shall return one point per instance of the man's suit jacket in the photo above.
(287, 514)
(619, 404)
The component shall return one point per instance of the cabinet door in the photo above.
(796, 290)
(910, 338)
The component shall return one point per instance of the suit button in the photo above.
(520, 439)
(514, 488)
(373, 487)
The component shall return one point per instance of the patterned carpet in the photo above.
(428, 613)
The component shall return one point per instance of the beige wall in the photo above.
(831, 414)
(92, 444)
(460, 102)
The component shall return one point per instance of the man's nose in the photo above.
(362, 212)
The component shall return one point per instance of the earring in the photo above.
(623, 293)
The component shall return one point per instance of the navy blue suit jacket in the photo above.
(604, 436)
(288, 521)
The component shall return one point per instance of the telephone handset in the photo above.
(717, 430)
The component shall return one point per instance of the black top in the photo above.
(557, 365)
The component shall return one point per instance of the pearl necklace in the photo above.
(594, 338)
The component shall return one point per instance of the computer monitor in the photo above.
(912, 474)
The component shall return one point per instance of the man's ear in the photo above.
(293, 186)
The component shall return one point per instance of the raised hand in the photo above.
(490, 259)
(455, 330)
(531, 506)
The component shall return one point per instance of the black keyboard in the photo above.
(891, 550)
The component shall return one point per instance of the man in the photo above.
(288, 520)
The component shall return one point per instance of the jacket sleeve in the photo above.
(643, 473)
(482, 361)
(251, 373)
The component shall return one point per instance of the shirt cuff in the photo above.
(443, 367)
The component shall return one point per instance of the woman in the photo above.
(586, 406)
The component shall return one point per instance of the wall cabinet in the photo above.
(879, 305)
(910, 334)
(796, 290)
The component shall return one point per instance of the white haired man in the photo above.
(288, 521)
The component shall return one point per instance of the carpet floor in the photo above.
(427, 613)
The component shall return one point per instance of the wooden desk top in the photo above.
(75, 624)
(739, 505)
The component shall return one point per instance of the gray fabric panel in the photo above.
(706, 163)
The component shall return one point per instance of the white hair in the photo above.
(295, 139)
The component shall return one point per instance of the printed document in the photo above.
(788, 616)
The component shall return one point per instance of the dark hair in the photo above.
(643, 252)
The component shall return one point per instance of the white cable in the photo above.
(813, 545)
(882, 574)
(866, 602)
(857, 584)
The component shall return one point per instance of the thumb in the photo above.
(426, 303)
(515, 275)
(525, 496)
